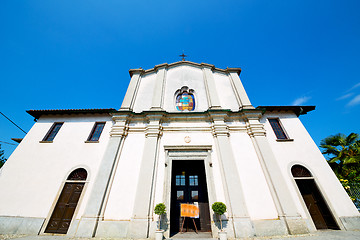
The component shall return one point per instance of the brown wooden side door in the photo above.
(314, 211)
(65, 207)
(316, 205)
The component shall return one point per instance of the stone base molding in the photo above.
(351, 223)
(20, 225)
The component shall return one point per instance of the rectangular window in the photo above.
(180, 180)
(193, 180)
(180, 195)
(278, 130)
(96, 132)
(52, 132)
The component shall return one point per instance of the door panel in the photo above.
(188, 185)
(316, 205)
(65, 207)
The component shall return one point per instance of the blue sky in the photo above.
(76, 54)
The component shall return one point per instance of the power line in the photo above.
(13, 123)
(8, 143)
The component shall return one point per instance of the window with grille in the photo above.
(96, 132)
(278, 130)
(52, 132)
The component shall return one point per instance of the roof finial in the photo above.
(183, 56)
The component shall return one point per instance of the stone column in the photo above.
(157, 101)
(282, 197)
(238, 214)
(142, 212)
(211, 93)
(89, 221)
(238, 88)
(129, 99)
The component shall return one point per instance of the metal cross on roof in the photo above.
(183, 56)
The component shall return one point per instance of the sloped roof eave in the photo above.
(38, 113)
(298, 110)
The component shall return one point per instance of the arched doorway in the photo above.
(65, 207)
(315, 203)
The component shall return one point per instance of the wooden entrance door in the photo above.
(64, 210)
(188, 185)
(63, 213)
(316, 204)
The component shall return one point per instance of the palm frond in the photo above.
(352, 138)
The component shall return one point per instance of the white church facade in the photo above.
(185, 133)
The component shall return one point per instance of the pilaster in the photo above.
(129, 99)
(238, 214)
(280, 193)
(211, 93)
(97, 200)
(142, 212)
(158, 95)
(239, 89)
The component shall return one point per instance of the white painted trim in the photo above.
(188, 152)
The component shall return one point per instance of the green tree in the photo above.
(2, 158)
(343, 154)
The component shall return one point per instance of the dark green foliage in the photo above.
(2, 158)
(160, 209)
(219, 208)
(343, 154)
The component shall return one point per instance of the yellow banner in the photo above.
(189, 210)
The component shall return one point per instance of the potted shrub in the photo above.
(160, 209)
(219, 209)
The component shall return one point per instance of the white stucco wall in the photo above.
(258, 199)
(225, 91)
(183, 75)
(33, 175)
(123, 190)
(145, 93)
(304, 151)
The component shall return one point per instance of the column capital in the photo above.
(154, 127)
(121, 125)
(219, 127)
(253, 125)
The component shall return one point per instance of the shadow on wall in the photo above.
(224, 221)
(164, 223)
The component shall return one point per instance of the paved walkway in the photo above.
(319, 235)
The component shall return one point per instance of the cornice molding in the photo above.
(188, 63)
(136, 71)
(187, 147)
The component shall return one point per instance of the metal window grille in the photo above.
(53, 131)
(96, 132)
(279, 132)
